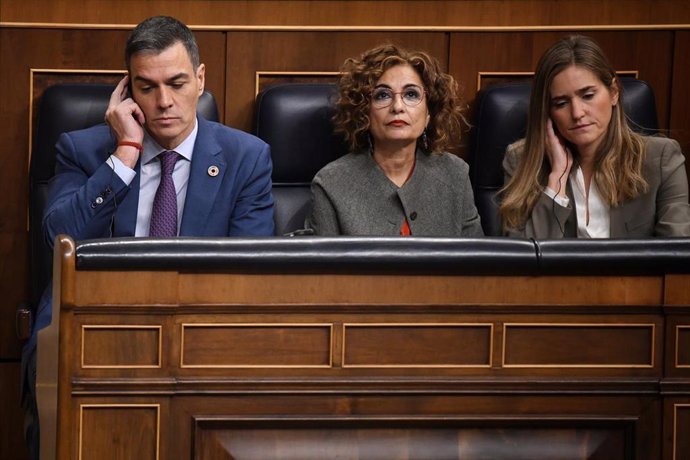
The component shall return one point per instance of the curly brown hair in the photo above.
(359, 77)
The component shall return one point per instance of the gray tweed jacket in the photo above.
(353, 196)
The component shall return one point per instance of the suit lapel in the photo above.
(203, 186)
(618, 218)
(570, 226)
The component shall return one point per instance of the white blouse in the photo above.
(599, 223)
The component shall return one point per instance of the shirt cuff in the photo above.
(125, 173)
(560, 200)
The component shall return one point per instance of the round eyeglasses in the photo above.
(411, 96)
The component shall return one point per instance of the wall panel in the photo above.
(11, 433)
(680, 114)
(511, 52)
(354, 13)
(317, 52)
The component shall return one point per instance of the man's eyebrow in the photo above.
(142, 79)
(179, 76)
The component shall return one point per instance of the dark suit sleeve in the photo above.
(81, 195)
(253, 211)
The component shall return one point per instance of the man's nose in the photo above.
(164, 97)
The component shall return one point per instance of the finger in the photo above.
(138, 114)
(119, 94)
(563, 144)
(551, 132)
(551, 139)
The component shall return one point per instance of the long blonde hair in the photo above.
(619, 158)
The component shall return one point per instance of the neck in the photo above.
(396, 164)
(586, 160)
(587, 166)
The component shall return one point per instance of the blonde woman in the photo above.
(581, 171)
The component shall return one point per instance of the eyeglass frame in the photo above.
(396, 93)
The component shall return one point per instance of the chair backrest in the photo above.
(295, 120)
(63, 108)
(501, 118)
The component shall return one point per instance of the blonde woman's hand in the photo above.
(560, 159)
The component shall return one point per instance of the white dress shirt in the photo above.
(150, 176)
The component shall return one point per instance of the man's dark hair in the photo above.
(158, 33)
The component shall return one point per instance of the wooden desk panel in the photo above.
(211, 365)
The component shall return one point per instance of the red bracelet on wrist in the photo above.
(136, 145)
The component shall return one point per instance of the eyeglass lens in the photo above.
(411, 96)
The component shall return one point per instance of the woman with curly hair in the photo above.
(581, 171)
(398, 112)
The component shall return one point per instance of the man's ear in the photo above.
(201, 75)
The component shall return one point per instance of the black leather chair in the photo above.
(501, 118)
(65, 107)
(295, 120)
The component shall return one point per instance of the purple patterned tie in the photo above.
(164, 212)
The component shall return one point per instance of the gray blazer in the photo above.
(353, 196)
(662, 211)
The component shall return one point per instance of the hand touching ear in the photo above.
(560, 159)
(126, 120)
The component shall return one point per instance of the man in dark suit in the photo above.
(109, 178)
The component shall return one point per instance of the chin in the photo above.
(398, 139)
(164, 133)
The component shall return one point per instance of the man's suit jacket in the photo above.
(662, 211)
(86, 199)
(353, 196)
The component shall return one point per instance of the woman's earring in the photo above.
(425, 141)
(371, 143)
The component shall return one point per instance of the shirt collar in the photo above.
(185, 149)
